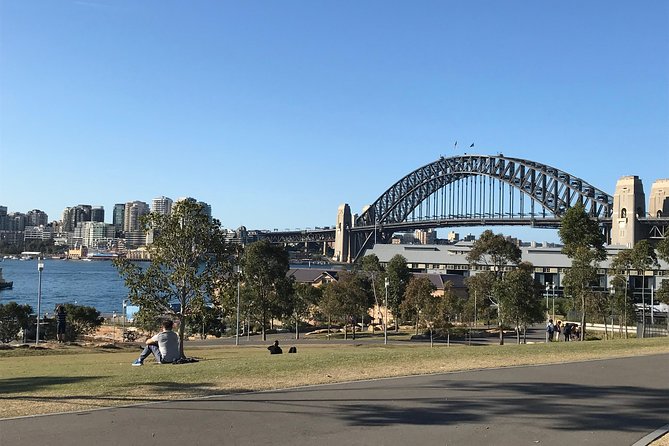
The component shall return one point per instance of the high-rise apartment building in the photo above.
(118, 218)
(37, 218)
(73, 216)
(162, 205)
(134, 210)
(98, 214)
(3, 218)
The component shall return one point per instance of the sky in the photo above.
(275, 113)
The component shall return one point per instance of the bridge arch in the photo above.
(549, 191)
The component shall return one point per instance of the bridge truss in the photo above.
(477, 190)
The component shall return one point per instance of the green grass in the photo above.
(76, 378)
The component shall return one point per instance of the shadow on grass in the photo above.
(36, 383)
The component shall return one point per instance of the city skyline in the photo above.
(277, 114)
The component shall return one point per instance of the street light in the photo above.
(548, 287)
(239, 279)
(385, 319)
(553, 293)
(40, 267)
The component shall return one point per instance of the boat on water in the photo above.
(3, 283)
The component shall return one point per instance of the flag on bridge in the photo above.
(471, 145)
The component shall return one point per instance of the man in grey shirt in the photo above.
(164, 346)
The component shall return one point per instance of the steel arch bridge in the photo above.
(472, 190)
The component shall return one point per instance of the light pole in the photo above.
(385, 319)
(548, 287)
(239, 279)
(553, 293)
(40, 267)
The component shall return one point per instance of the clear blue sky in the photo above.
(277, 112)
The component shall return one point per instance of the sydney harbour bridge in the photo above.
(490, 190)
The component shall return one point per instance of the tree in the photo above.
(13, 318)
(416, 298)
(190, 262)
(398, 275)
(371, 268)
(264, 268)
(663, 253)
(519, 297)
(643, 258)
(496, 252)
(584, 245)
(347, 298)
(81, 320)
(304, 298)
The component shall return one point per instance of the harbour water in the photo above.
(95, 283)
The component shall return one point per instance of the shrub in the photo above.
(13, 317)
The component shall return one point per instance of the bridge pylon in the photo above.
(629, 204)
(342, 247)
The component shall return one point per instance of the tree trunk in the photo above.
(353, 324)
(582, 315)
(501, 333)
(517, 334)
(182, 330)
(264, 323)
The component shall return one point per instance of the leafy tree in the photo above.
(496, 252)
(520, 298)
(643, 259)
(621, 265)
(584, 245)
(189, 263)
(264, 268)
(371, 268)
(480, 287)
(81, 320)
(663, 253)
(13, 318)
(304, 299)
(347, 298)
(447, 307)
(398, 275)
(416, 298)
(206, 321)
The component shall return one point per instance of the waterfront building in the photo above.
(549, 263)
(426, 236)
(41, 232)
(96, 234)
(162, 205)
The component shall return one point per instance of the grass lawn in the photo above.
(75, 378)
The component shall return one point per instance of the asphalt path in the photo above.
(604, 402)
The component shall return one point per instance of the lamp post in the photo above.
(548, 287)
(385, 318)
(553, 294)
(239, 279)
(40, 267)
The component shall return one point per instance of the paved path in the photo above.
(611, 402)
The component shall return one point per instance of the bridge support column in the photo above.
(658, 205)
(629, 203)
(343, 234)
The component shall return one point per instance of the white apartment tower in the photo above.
(162, 205)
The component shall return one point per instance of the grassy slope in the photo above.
(74, 379)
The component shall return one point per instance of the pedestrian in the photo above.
(164, 346)
(567, 331)
(558, 330)
(61, 323)
(274, 349)
(550, 328)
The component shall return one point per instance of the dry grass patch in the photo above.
(44, 383)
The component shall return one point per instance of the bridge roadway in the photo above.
(605, 402)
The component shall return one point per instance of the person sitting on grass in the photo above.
(275, 349)
(164, 346)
